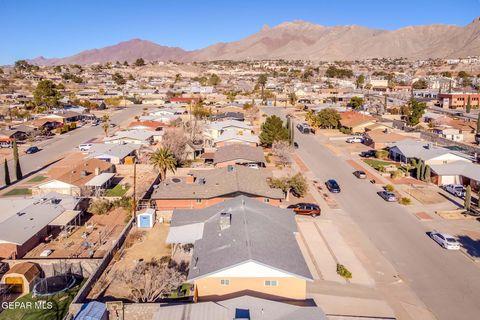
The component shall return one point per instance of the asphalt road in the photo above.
(53, 149)
(446, 281)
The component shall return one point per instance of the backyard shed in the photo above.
(146, 219)
(21, 277)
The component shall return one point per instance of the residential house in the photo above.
(203, 188)
(147, 125)
(238, 154)
(243, 307)
(242, 245)
(406, 150)
(239, 116)
(380, 139)
(114, 153)
(66, 178)
(136, 136)
(356, 121)
(232, 137)
(457, 172)
(25, 222)
(449, 133)
(217, 128)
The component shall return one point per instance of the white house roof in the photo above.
(120, 151)
(100, 180)
(229, 135)
(136, 134)
(423, 150)
(220, 125)
(457, 168)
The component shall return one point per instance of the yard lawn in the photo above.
(37, 179)
(18, 192)
(376, 164)
(184, 291)
(60, 302)
(117, 191)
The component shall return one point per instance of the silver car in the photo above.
(445, 240)
(387, 196)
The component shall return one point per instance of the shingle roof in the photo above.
(239, 151)
(239, 308)
(114, 149)
(464, 168)
(232, 135)
(351, 119)
(218, 182)
(258, 232)
(219, 125)
(422, 150)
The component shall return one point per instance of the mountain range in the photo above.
(301, 40)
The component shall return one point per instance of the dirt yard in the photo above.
(95, 236)
(140, 244)
(426, 196)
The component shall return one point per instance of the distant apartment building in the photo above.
(458, 99)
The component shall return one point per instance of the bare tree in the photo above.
(175, 140)
(148, 281)
(283, 151)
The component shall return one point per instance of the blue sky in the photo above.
(53, 28)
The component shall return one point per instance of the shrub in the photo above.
(343, 271)
(381, 154)
(405, 201)
(389, 188)
(100, 206)
(397, 174)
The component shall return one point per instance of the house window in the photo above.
(266, 200)
(224, 282)
(198, 200)
(271, 283)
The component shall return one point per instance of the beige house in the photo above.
(242, 246)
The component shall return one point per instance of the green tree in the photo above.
(125, 63)
(356, 103)
(163, 160)
(415, 111)
(272, 131)
(118, 78)
(16, 161)
(6, 172)
(467, 204)
(105, 123)
(292, 98)
(23, 66)
(214, 80)
(262, 81)
(420, 84)
(139, 62)
(360, 81)
(428, 173)
(328, 118)
(46, 94)
(1, 71)
(469, 105)
(298, 185)
(418, 171)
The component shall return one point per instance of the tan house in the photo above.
(379, 139)
(241, 246)
(72, 179)
(204, 188)
(239, 154)
(355, 121)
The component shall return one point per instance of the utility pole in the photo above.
(134, 197)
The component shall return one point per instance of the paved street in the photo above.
(447, 282)
(53, 149)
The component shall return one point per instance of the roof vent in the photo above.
(230, 168)
(20, 213)
(55, 201)
(225, 220)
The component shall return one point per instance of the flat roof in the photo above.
(65, 218)
(100, 180)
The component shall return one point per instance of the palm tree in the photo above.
(262, 81)
(106, 123)
(163, 160)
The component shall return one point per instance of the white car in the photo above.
(354, 140)
(85, 146)
(252, 165)
(445, 240)
(46, 253)
(455, 189)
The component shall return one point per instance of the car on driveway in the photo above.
(455, 189)
(387, 196)
(368, 154)
(445, 240)
(354, 140)
(360, 174)
(333, 186)
(310, 209)
(32, 150)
